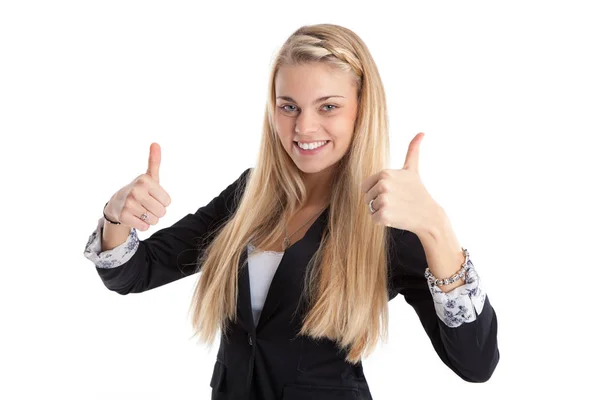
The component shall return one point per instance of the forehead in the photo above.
(308, 81)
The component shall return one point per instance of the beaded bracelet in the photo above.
(447, 281)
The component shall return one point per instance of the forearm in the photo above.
(442, 248)
(113, 235)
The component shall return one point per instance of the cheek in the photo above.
(341, 130)
(282, 125)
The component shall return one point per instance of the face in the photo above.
(315, 104)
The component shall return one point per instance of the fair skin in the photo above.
(304, 115)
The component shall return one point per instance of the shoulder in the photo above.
(239, 186)
(240, 181)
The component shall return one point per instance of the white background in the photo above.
(507, 94)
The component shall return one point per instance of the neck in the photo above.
(318, 187)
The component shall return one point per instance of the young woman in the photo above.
(301, 254)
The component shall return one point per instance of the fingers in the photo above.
(130, 217)
(160, 195)
(154, 161)
(133, 211)
(147, 196)
(152, 206)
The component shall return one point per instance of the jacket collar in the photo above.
(288, 281)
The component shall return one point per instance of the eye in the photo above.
(285, 109)
(331, 105)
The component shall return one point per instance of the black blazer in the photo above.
(267, 361)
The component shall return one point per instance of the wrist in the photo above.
(109, 218)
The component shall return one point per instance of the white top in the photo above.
(261, 269)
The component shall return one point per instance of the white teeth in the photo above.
(311, 146)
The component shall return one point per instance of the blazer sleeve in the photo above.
(469, 348)
(171, 253)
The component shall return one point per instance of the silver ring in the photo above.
(371, 206)
(144, 217)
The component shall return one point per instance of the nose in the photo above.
(306, 124)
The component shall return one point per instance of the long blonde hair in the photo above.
(347, 276)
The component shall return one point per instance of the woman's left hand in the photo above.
(401, 200)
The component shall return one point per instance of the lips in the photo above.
(314, 141)
(316, 151)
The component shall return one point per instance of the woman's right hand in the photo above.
(142, 195)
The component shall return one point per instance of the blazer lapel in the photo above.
(288, 281)
(244, 307)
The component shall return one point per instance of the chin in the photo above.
(310, 169)
(314, 168)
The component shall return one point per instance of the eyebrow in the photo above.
(287, 98)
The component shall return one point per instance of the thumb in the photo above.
(154, 161)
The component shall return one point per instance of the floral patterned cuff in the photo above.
(114, 257)
(461, 304)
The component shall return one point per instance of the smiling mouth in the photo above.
(315, 141)
(316, 150)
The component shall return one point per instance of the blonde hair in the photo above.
(346, 283)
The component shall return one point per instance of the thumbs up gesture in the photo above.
(400, 199)
(142, 202)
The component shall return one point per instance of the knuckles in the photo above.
(385, 174)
